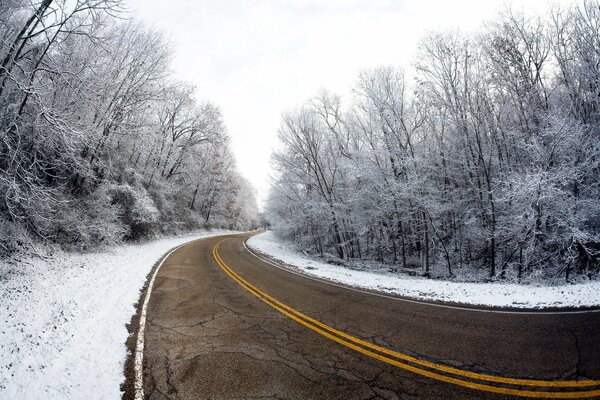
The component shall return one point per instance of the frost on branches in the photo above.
(486, 160)
(98, 143)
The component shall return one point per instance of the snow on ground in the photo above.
(62, 320)
(495, 294)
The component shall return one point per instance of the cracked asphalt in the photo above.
(209, 338)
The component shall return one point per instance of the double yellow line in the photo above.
(413, 364)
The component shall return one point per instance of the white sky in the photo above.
(259, 58)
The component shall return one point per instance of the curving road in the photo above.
(223, 324)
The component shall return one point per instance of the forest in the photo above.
(480, 159)
(99, 143)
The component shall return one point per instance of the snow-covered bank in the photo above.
(63, 320)
(495, 294)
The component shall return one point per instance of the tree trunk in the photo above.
(426, 245)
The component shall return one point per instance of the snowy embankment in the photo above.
(495, 294)
(63, 320)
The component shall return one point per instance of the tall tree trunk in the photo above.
(426, 244)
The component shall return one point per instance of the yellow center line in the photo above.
(353, 342)
(456, 371)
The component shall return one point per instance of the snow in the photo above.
(63, 320)
(494, 294)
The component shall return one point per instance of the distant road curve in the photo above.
(221, 322)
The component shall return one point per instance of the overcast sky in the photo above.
(256, 59)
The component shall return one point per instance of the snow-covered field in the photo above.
(496, 294)
(62, 332)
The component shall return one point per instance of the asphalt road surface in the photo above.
(222, 324)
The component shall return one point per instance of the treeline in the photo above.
(98, 142)
(486, 160)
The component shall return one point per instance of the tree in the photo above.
(491, 151)
(97, 142)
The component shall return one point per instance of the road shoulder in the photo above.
(494, 296)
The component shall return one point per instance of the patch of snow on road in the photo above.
(63, 320)
(495, 294)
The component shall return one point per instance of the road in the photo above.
(222, 324)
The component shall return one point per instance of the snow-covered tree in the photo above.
(486, 161)
(97, 141)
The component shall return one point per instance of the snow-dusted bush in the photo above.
(13, 237)
(89, 223)
(135, 209)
